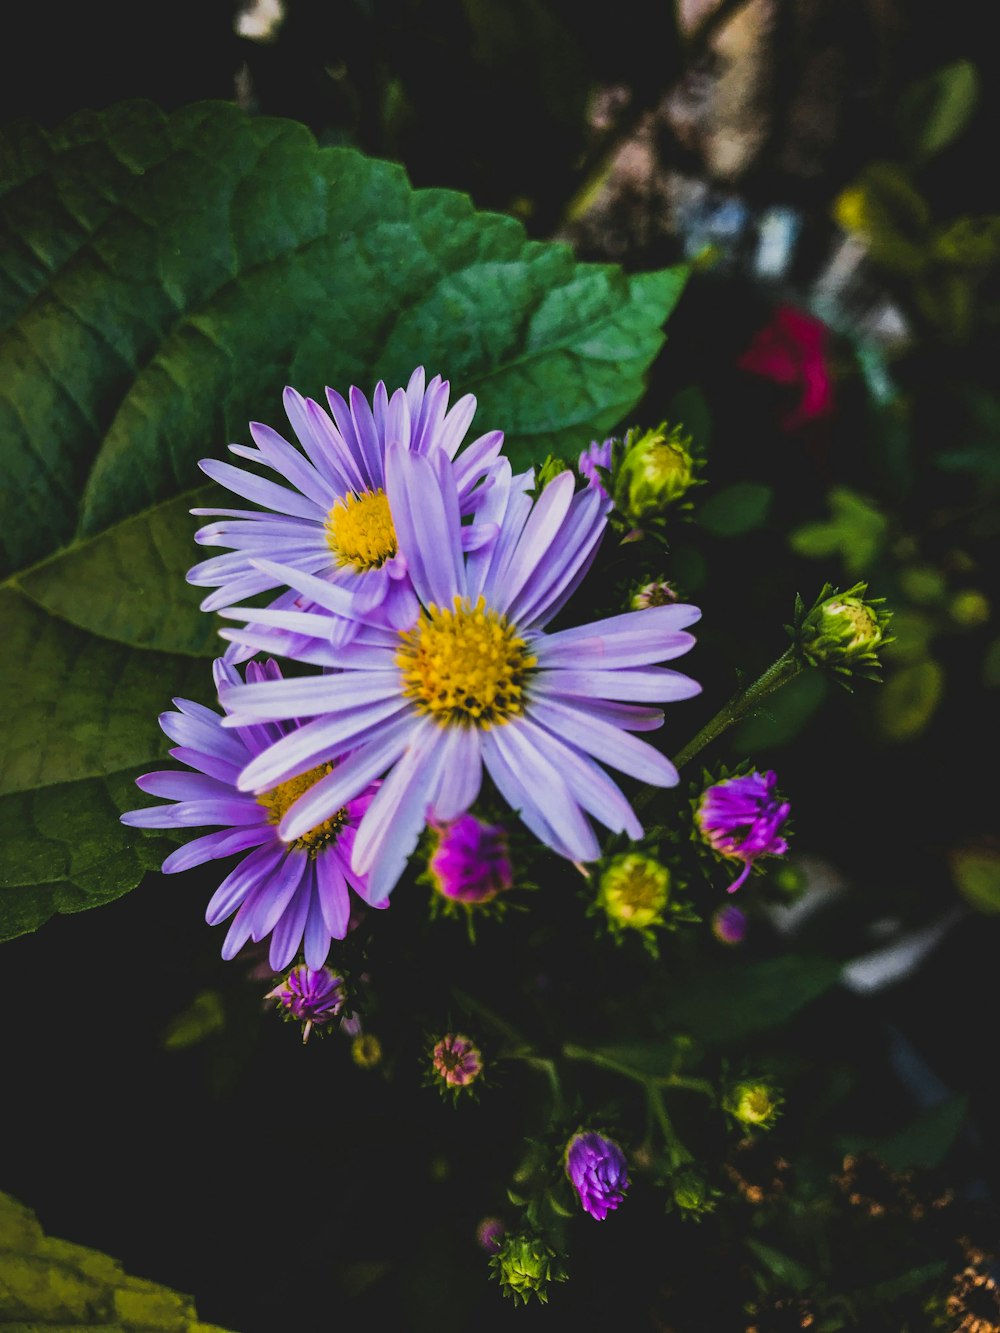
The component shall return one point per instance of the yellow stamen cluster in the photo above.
(279, 800)
(466, 665)
(359, 530)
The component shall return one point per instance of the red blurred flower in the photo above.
(792, 350)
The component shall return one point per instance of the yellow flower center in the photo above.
(359, 530)
(466, 665)
(279, 800)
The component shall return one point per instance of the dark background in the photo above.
(276, 1183)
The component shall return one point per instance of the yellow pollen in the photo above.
(465, 666)
(359, 530)
(279, 800)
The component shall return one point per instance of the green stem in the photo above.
(744, 701)
(603, 1061)
(678, 1153)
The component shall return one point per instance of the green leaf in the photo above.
(925, 1141)
(730, 1004)
(788, 1271)
(976, 872)
(934, 111)
(161, 280)
(203, 1017)
(738, 509)
(907, 701)
(48, 1283)
(856, 532)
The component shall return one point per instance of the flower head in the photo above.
(656, 471)
(843, 631)
(657, 593)
(739, 818)
(310, 996)
(456, 1063)
(729, 924)
(329, 515)
(596, 1168)
(473, 681)
(755, 1103)
(634, 891)
(366, 1050)
(525, 1265)
(690, 1192)
(470, 863)
(792, 350)
(294, 890)
(490, 1233)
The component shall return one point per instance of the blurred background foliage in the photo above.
(832, 158)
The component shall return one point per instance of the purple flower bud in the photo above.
(597, 1171)
(729, 924)
(740, 817)
(309, 996)
(489, 1234)
(595, 456)
(470, 863)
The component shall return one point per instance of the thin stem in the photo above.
(744, 701)
(604, 1061)
(678, 1153)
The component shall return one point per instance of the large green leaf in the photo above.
(161, 280)
(49, 1283)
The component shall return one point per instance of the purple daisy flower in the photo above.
(740, 817)
(471, 862)
(597, 1171)
(291, 890)
(473, 680)
(336, 521)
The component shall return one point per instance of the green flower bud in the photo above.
(524, 1267)
(753, 1102)
(634, 891)
(691, 1193)
(656, 471)
(549, 470)
(843, 631)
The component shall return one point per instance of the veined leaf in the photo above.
(161, 280)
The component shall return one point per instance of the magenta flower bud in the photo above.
(309, 996)
(456, 1061)
(597, 1171)
(489, 1234)
(740, 817)
(470, 863)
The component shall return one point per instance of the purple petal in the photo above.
(238, 883)
(643, 685)
(288, 932)
(348, 779)
(277, 498)
(331, 892)
(214, 846)
(582, 728)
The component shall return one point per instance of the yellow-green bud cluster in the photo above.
(843, 631)
(656, 471)
(755, 1103)
(525, 1265)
